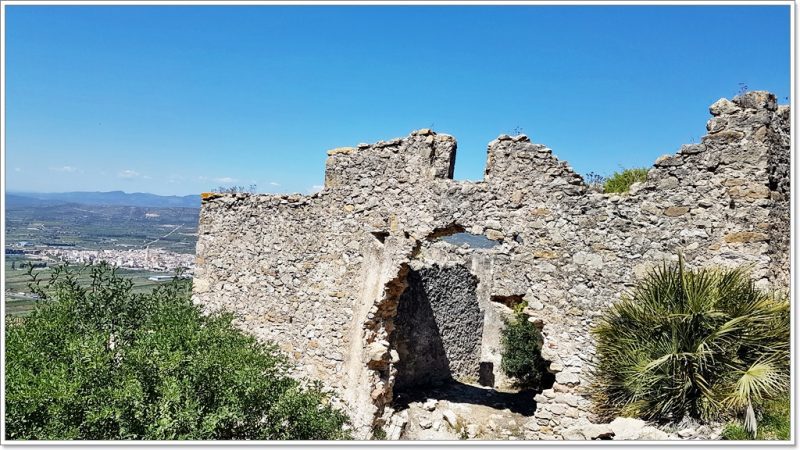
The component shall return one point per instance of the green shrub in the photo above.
(703, 343)
(378, 434)
(620, 182)
(775, 423)
(100, 362)
(521, 345)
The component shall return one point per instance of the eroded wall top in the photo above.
(313, 273)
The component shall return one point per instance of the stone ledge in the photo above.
(341, 151)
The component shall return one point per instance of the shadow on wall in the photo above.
(438, 327)
(423, 360)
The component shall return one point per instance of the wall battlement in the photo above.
(418, 158)
(334, 276)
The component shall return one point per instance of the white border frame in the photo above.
(418, 444)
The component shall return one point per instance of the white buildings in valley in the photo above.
(154, 259)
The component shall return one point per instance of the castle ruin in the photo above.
(396, 276)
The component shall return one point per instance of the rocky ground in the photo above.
(459, 411)
(464, 411)
(629, 429)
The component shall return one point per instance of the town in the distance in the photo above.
(148, 238)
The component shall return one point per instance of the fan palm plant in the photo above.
(704, 343)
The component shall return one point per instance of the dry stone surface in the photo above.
(323, 275)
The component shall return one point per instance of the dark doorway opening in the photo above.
(438, 332)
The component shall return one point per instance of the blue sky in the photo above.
(182, 99)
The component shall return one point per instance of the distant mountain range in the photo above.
(113, 198)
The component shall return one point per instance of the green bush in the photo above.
(620, 182)
(99, 362)
(775, 423)
(521, 345)
(703, 343)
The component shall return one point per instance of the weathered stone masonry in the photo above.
(325, 276)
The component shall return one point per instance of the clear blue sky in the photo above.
(182, 99)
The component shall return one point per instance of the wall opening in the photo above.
(471, 240)
(380, 236)
(437, 335)
(509, 301)
(486, 375)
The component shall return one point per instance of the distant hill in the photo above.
(20, 201)
(113, 198)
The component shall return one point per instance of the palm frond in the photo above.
(750, 422)
(691, 342)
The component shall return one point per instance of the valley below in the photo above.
(147, 244)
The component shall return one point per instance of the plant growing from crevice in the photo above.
(378, 433)
(700, 343)
(521, 344)
(743, 89)
(460, 429)
(620, 182)
(595, 181)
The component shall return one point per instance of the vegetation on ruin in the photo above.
(701, 343)
(775, 423)
(595, 181)
(521, 344)
(102, 362)
(620, 182)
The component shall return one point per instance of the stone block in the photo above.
(743, 237)
(676, 211)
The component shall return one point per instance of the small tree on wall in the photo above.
(521, 345)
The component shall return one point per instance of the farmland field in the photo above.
(91, 227)
(19, 300)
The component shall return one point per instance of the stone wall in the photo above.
(323, 275)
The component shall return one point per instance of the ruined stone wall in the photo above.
(322, 275)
